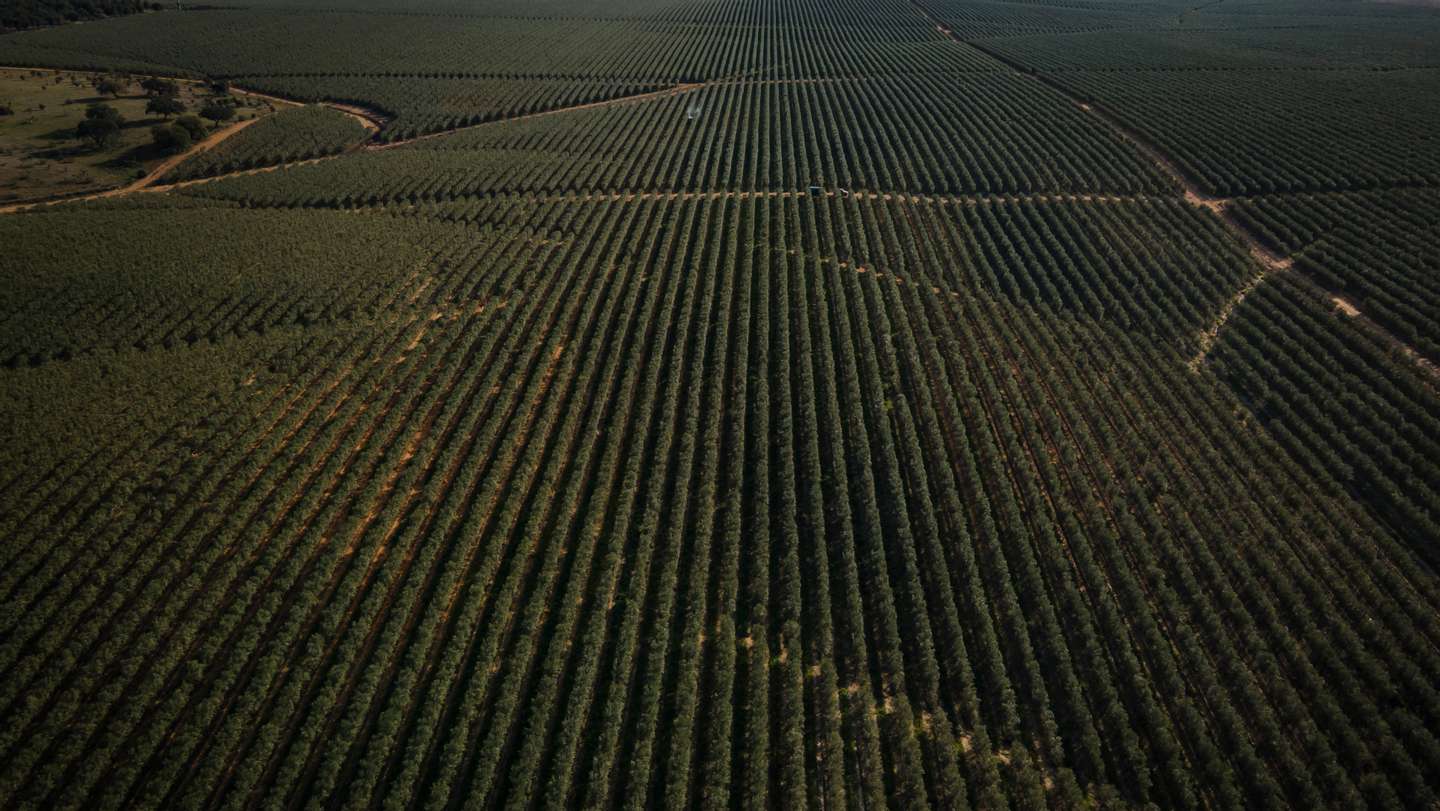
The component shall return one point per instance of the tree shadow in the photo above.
(73, 150)
(135, 156)
(60, 134)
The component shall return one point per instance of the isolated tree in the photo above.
(101, 132)
(108, 87)
(191, 124)
(220, 87)
(165, 106)
(101, 125)
(217, 111)
(171, 137)
(160, 87)
(101, 110)
(6, 109)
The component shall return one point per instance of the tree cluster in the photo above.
(20, 14)
(178, 135)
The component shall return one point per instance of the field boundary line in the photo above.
(1269, 261)
(369, 118)
(669, 90)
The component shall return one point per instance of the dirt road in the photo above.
(150, 177)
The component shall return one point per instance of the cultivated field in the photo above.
(735, 404)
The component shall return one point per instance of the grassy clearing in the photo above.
(39, 153)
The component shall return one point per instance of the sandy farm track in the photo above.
(371, 120)
(210, 142)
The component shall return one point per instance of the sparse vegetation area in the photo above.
(69, 132)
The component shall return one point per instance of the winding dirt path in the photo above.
(144, 183)
(1269, 261)
(1191, 192)
(1206, 339)
(1356, 316)
(370, 119)
(160, 170)
(210, 142)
